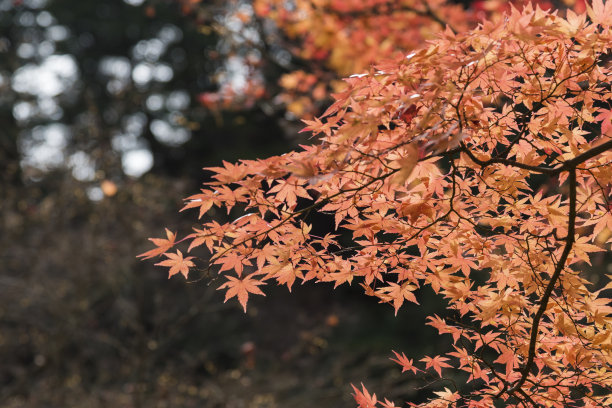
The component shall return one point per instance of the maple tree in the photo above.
(479, 166)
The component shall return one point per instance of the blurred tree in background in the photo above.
(109, 110)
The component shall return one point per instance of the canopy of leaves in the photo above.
(431, 167)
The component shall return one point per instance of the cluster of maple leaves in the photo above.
(431, 166)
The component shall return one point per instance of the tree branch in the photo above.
(569, 241)
(507, 162)
(581, 158)
(568, 165)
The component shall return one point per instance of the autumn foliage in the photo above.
(332, 39)
(478, 165)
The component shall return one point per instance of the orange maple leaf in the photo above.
(406, 164)
(436, 363)
(509, 358)
(388, 404)
(163, 245)
(204, 201)
(404, 361)
(397, 294)
(241, 288)
(177, 264)
(363, 397)
(233, 260)
(605, 116)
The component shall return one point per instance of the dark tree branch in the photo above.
(581, 158)
(569, 242)
(568, 165)
(507, 162)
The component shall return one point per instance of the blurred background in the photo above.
(108, 112)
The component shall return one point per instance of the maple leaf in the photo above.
(436, 363)
(204, 201)
(228, 173)
(288, 192)
(232, 260)
(509, 358)
(241, 289)
(284, 274)
(201, 237)
(363, 397)
(448, 395)
(163, 245)
(387, 404)
(405, 362)
(177, 264)
(605, 116)
(397, 294)
(600, 12)
(406, 165)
